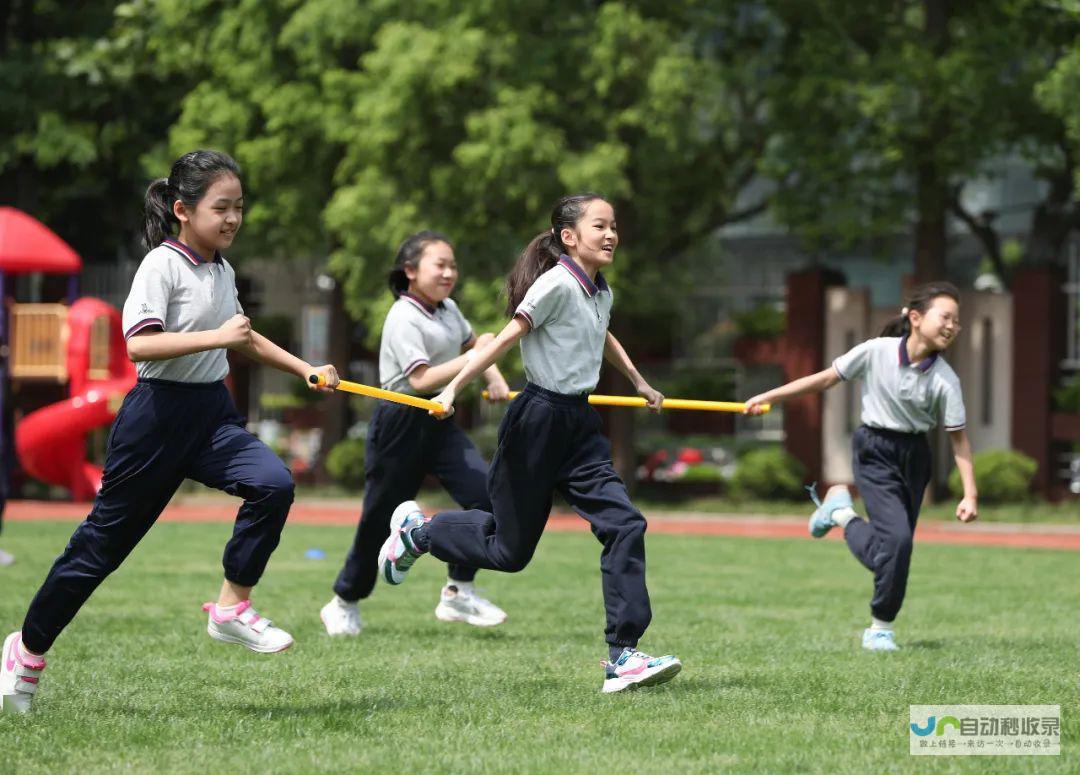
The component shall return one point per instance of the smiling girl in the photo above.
(426, 341)
(906, 388)
(178, 422)
(550, 439)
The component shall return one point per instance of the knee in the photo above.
(277, 488)
(514, 562)
(900, 546)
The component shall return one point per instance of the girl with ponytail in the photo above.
(178, 422)
(426, 341)
(907, 389)
(551, 440)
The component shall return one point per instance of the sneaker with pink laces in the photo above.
(18, 676)
(241, 624)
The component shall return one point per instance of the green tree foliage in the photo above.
(360, 123)
(886, 111)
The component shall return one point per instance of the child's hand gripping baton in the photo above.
(385, 395)
(669, 403)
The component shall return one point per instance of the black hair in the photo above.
(409, 255)
(543, 252)
(920, 301)
(191, 175)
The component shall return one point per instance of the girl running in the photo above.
(178, 422)
(550, 438)
(906, 387)
(425, 342)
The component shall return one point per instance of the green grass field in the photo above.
(774, 680)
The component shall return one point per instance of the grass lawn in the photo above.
(774, 680)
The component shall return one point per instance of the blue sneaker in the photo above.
(634, 669)
(821, 521)
(879, 640)
(398, 553)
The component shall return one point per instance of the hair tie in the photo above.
(904, 311)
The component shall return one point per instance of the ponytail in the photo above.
(539, 256)
(545, 249)
(190, 177)
(159, 214)
(920, 301)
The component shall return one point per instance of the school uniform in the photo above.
(404, 444)
(901, 401)
(177, 423)
(550, 440)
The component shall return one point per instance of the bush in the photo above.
(345, 463)
(769, 473)
(1002, 476)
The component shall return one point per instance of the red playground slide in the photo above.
(51, 442)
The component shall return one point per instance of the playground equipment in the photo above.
(79, 343)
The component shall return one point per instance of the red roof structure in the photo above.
(28, 245)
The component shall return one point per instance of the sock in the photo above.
(877, 624)
(461, 586)
(29, 655)
(225, 609)
(842, 516)
(419, 538)
(614, 652)
(343, 602)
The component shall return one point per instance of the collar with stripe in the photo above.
(179, 247)
(587, 285)
(422, 305)
(924, 365)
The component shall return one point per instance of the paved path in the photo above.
(344, 512)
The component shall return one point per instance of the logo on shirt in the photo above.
(145, 309)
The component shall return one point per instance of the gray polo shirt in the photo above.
(416, 334)
(899, 395)
(177, 291)
(568, 316)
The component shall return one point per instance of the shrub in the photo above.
(769, 473)
(345, 463)
(1002, 476)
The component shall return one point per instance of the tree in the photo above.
(80, 101)
(887, 112)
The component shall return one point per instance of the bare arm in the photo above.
(815, 383)
(426, 379)
(484, 359)
(968, 508)
(615, 354)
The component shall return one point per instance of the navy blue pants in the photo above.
(166, 432)
(891, 470)
(405, 444)
(550, 442)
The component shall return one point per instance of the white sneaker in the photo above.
(6, 559)
(464, 605)
(634, 669)
(340, 617)
(18, 678)
(246, 627)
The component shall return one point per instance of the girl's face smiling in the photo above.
(594, 238)
(435, 274)
(214, 221)
(940, 324)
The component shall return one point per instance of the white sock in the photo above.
(29, 655)
(465, 587)
(843, 516)
(877, 624)
(342, 602)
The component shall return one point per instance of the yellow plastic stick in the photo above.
(386, 395)
(669, 403)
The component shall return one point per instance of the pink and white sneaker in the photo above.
(18, 676)
(634, 669)
(244, 626)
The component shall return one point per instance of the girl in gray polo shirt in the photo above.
(907, 388)
(178, 422)
(551, 439)
(426, 341)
